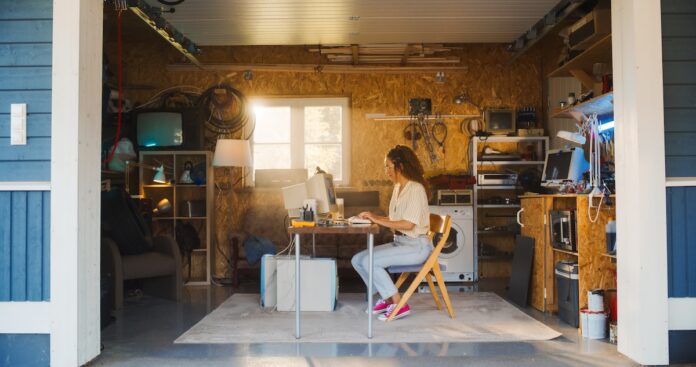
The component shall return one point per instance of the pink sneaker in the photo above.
(380, 307)
(405, 310)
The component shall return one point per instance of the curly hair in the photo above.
(406, 162)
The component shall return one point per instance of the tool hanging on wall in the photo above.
(439, 132)
(427, 139)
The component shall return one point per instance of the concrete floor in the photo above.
(143, 333)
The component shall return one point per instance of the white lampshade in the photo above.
(232, 153)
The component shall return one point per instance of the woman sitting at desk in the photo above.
(409, 219)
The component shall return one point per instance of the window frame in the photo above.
(297, 105)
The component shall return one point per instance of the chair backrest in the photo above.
(439, 224)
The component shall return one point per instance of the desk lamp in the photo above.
(159, 177)
(590, 126)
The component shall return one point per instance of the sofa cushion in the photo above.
(151, 264)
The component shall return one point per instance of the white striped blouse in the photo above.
(410, 204)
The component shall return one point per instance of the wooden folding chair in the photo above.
(439, 224)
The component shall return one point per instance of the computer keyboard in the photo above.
(358, 220)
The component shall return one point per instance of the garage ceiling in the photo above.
(334, 22)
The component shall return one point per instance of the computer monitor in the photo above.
(294, 198)
(563, 166)
(319, 187)
(499, 121)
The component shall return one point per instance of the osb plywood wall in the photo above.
(488, 79)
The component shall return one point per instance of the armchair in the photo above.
(160, 269)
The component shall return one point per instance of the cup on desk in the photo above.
(339, 208)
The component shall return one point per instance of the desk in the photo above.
(369, 229)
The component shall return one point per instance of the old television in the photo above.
(564, 166)
(319, 187)
(500, 121)
(168, 129)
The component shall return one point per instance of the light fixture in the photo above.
(232, 153)
(606, 126)
(163, 207)
(590, 126)
(464, 98)
(574, 137)
(440, 77)
(159, 176)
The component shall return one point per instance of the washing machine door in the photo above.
(455, 242)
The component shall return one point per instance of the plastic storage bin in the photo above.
(567, 292)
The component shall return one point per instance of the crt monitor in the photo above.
(563, 166)
(499, 121)
(160, 129)
(173, 129)
(319, 187)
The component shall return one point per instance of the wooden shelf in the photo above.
(565, 251)
(601, 105)
(599, 52)
(498, 206)
(498, 187)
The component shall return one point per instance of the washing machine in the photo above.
(458, 253)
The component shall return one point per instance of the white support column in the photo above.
(75, 175)
(640, 179)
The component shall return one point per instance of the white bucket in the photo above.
(595, 301)
(594, 324)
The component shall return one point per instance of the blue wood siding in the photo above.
(24, 245)
(681, 241)
(28, 350)
(679, 78)
(25, 77)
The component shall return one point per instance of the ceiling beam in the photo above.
(314, 68)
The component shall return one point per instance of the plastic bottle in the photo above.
(610, 230)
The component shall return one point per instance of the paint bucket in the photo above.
(595, 300)
(594, 324)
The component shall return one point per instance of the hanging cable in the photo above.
(119, 42)
(228, 109)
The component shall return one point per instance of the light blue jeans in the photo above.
(403, 251)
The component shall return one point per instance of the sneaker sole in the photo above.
(403, 314)
(379, 312)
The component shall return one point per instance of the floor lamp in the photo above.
(232, 153)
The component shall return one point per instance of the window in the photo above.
(303, 133)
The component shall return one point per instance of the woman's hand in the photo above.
(366, 215)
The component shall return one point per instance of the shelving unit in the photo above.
(488, 209)
(596, 267)
(580, 66)
(601, 105)
(202, 259)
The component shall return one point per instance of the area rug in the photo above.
(480, 317)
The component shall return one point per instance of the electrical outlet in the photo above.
(18, 125)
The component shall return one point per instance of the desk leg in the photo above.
(370, 246)
(297, 286)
